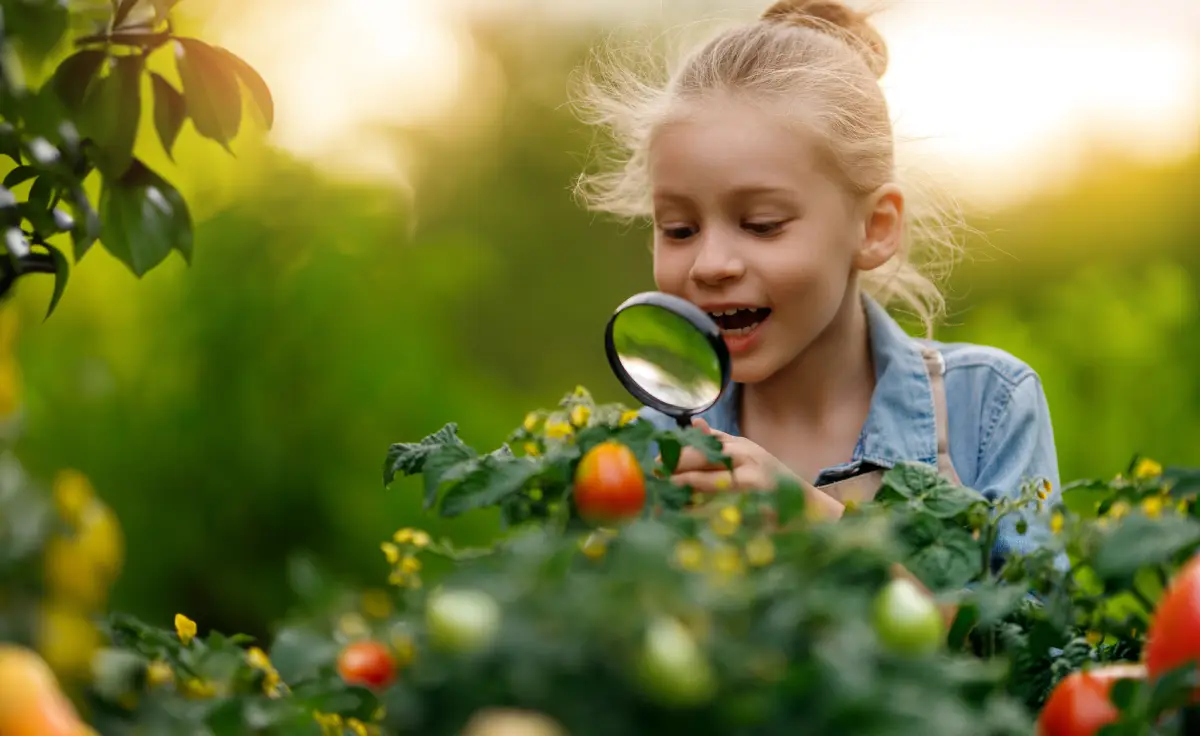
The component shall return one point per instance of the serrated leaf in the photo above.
(948, 563)
(170, 110)
(143, 218)
(112, 110)
(408, 458)
(259, 91)
(490, 482)
(1140, 541)
(445, 464)
(62, 272)
(210, 89)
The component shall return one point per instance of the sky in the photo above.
(1003, 97)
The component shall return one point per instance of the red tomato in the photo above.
(367, 663)
(1174, 635)
(1079, 705)
(609, 484)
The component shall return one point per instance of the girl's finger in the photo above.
(693, 459)
(706, 481)
(701, 425)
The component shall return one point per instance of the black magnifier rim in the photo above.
(698, 318)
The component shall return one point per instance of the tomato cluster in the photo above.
(1080, 705)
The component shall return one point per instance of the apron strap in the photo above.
(863, 487)
(936, 366)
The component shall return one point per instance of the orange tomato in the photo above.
(367, 663)
(609, 484)
(1173, 638)
(31, 703)
(1079, 704)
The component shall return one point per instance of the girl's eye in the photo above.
(678, 233)
(762, 228)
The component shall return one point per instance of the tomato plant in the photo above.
(610, 485)
(366, 663)
(1080, 704)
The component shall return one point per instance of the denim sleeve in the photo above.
(1019, 448)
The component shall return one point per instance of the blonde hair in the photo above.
(819, 53)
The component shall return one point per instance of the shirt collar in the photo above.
(900, 423)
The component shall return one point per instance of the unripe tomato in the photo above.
(31, 703)
(1079, 704)
(1173, 638)
(906, 620)
(609, 484)
(672, 668)
(366, 663)
(461, 620)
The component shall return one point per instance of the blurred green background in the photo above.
(238, 411)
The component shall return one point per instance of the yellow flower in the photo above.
(727, 560)
(1094, 638)
(376, 603)
(1056, 523)
(420, 539)
(194, 688)
(727, 520)
(1146, 469)
(72, 493)
(532, 450)
(357, 727)
(159, 673)
(1044, 490)
(379, 713)
(406, 652)
(1182, 506)
(1118, 510)
(330, 723)
(403, 536)
(760, 551)
(531, 421)
(1152, 506)
(627, 416)
(689, 554)
(580, 415)
(722, 482)
(594, 546)
(850, 506)
(410, 565)
(258, 659)
(559, 429)
(352, 625)
(391, 552)
(185, 628)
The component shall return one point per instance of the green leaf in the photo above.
(1082, 497)
(122, 12)
(259, 91)
(948, 563)
(489, 483)
(87, 223)
(789, 499)
(672, 441)
(74, 75)
(994, 601)
(143, 218)
(408, 458)
(170, 110)
(1140, 541)
(10, 142)
(445, 464)
(19, 175)
(210, 88)
(36, 27)
(112, 110)
(42, 192)
(62, 272)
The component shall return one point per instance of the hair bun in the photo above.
(834, 18)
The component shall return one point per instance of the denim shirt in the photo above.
(999, 427)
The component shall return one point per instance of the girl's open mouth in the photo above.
(741, 321)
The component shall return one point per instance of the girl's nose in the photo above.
(716, 262)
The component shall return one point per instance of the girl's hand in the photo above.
(754, 469)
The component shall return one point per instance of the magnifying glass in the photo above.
(668, 353)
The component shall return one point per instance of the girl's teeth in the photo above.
(741, 330)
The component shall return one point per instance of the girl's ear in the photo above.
(884, 225)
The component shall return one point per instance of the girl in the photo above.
(766, 164)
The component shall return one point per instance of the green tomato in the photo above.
(461, 620)
(906, 620)
(672, 668)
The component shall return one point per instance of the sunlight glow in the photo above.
(338, 67)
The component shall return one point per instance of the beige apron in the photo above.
(862, 488)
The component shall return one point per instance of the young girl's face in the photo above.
(751, 227)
